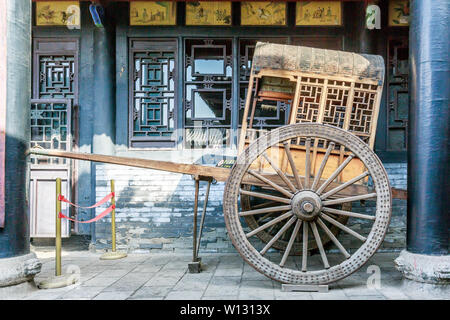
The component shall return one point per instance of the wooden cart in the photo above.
(290, 192)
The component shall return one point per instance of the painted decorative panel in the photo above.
(145, 13)
(263, 13)
(208, 13)
(398, 13)
(58, 13)
(319, 13)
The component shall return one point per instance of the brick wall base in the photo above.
(155, 212)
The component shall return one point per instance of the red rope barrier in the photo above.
(106, 198)
(101, 215)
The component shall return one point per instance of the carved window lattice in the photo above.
(50, 128)
(268, 115)
(398, 94)
(308, 108)
(152, 100)
(335, 106)
(207, 100)
(56, 76)
(361, 117)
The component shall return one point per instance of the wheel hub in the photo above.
(306, 205)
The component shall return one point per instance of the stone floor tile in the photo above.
(151, 292)
(281, 295)
(223, 286)
(184, 295)
(220, 297)
(229, 272)
(82, 292)
(113, 295)
(100, 281)
(162, 281)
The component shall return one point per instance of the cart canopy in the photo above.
(318, 61)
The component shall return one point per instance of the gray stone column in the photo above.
(17, 264)
(366, 37)
(104, 123)
(104, 94)
(426, 257)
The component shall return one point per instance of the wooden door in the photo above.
(55, 93)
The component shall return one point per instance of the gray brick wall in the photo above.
(155, 210)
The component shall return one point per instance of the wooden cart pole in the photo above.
(113, 254)
(58, 229)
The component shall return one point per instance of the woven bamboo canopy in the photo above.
(318, 61)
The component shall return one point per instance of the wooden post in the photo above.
(244, 118)
(202, 221)
(194, 232)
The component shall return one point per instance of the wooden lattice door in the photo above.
(51, 111)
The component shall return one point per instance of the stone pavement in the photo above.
(226, 276)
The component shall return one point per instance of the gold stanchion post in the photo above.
(58, 229)
(113, 254)
(59, 280)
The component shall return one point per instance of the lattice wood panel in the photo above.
(310, 96)
(50, 128)
(153, 117)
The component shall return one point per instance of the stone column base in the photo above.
(424, 268)
(18, 269)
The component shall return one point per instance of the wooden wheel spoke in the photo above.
(264, 205)
(333, 238)
(322, 166)
(279, 172)
(268, 224)
(264, 217)
(348, 213)
(335, 173)
(342, 227)
(264, 210)
(270, 183)
(307, 163)
(287, 149)
(344, 185)
(265, 196)
(305, 246)
(350, 199)
(291, 242)
(320, 245)
(278, 235)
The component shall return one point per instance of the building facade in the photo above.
(94, 80)
(173, 91)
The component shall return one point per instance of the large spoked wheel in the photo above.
(306, 209)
